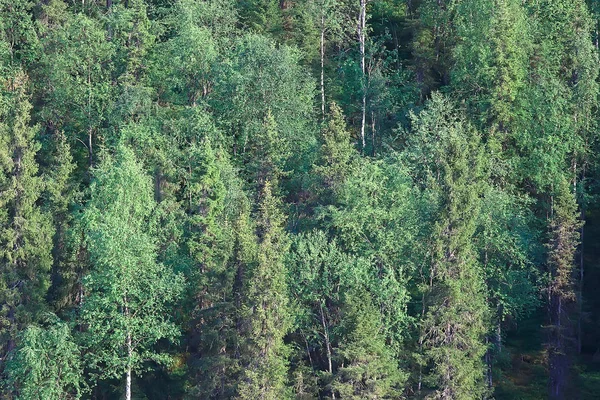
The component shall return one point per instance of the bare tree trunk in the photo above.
(373, 133)
(129, 356)
(90, 149)
(323, 63)
(129, 353)
(361, 38)
(328, 346)
(581, 270)
(89, 115)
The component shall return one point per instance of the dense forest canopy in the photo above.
(299, 199)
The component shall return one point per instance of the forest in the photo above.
(299, 199)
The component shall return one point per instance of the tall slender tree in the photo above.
(127, 292)
(267, 308)
(454, 320)
(25, 230)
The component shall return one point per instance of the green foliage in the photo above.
(221, 244)
(337, 152)
(17, 30)
(46, 364)
(452, 257)
(25, 229)
(75, 74)
(368, 370)
(320, 274)
(449, 152)
(257, 79)
(183, 64)
(127, 292)
(266, 308)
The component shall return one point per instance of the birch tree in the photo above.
(128, 293)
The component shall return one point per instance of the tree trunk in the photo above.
(323, 63)
(488, 363)
(373, 133)
(361, 38)
(563, 304)
(90, 149)
(581, 270)
(129, 354)
(327, 346)
(128, 381)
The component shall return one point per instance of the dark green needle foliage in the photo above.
(299, 199)
(265, 306)
(25, 229)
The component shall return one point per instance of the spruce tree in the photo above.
(553, 143)
(367, 368)
(562, 304)
(60, 196)
(221, 244)
(454, 320)
(25, 230)
(337, 155)
(267, 308)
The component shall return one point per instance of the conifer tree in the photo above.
(554, 143)
(367, 369)
(274, 151)
(491, 67)
(61, 193)
(455, 313)
(25, 230)
(221, 245)
(562, 310)
(267, 308)
(337, 152)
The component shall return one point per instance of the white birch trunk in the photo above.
(128, 380)
(361, 38)
(323, 62)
